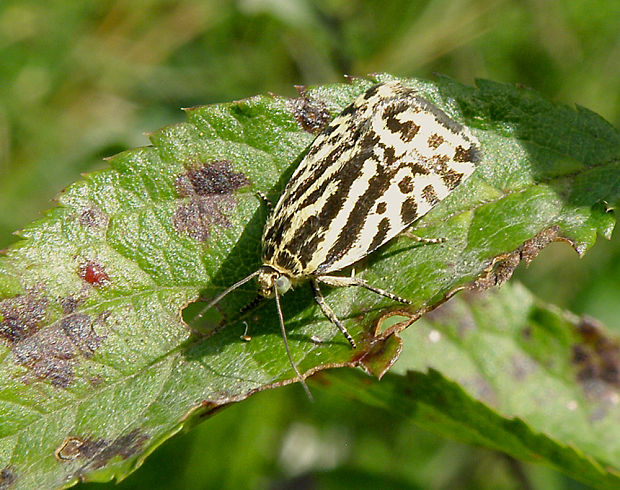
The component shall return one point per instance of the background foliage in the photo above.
(81, 81)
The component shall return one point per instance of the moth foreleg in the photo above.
(339, 281)
(265, 199)
(329, 313)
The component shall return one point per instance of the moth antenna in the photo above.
(288, 351)
(217, 299)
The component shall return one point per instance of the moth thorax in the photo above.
(269, 278)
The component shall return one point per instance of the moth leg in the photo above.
(257, 299)
(329, 313)
(339, 281)
(265, 199)
(421, 239)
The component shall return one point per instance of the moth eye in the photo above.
(283, 284)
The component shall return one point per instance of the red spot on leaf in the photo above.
(94, 274)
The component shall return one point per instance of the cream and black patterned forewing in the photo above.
(381, 164)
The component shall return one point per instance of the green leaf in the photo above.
(504, 371)
(98, 366)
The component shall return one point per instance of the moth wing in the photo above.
(380, 165)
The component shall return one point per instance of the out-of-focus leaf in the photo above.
(504, 371)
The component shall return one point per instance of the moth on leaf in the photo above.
(380, 165)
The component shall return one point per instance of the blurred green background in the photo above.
(80, 81)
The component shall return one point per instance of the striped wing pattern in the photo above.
(380, 165)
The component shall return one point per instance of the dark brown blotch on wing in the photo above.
(406, 129)
(382, 230)
(429, 194)
(435, 141)
(409, 211)
(406, 184)
(470, 154)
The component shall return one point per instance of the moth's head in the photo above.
(270, 279)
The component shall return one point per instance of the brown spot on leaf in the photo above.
(381, 355)
(210, 189)
(94, 274)
(597, 357)
(22, 316)
(93, 218)
(445, 314)
(69, 304)
(482, 389)
(99, 451)
(532, 247)
(71, 448)
(580, 354)
(212, 179)
(311, 114)
(79, 329)
(522, 367)
(50, 352)
(503, 266)
(7, 477)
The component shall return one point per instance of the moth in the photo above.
(380, 165)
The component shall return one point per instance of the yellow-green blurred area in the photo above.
(80, 81)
